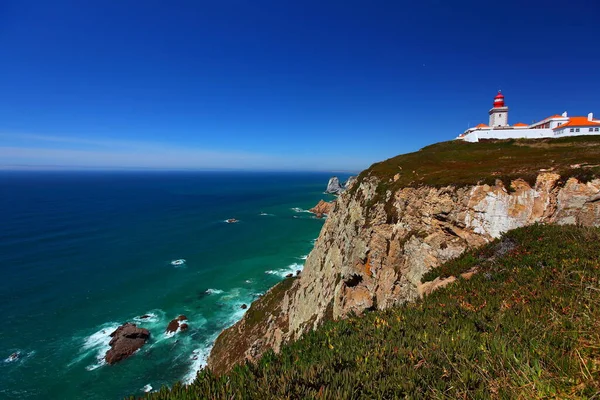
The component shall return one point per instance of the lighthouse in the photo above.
(499, 113)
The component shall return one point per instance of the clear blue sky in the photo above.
(326, 85)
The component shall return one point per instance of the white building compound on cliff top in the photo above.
(554, 126)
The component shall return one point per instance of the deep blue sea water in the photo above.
(83, 252)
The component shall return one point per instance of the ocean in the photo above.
(83, 252)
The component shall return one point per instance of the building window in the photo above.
(571, 130)
(596, 129)
(499, 115)
(577, 130)
(591, 130)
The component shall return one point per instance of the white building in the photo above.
(554, 126)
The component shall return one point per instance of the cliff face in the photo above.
(373, 251)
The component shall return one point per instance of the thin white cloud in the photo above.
(32, 150)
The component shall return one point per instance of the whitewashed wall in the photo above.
(582, 131)
(508, 134)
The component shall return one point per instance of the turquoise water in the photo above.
(81, 253)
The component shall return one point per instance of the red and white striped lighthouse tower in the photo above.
(499, 113)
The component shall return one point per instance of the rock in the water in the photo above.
(126, 339)
(176, 324)
(321, 208)
(334, 186)
(244, 306)
(145, 316)
(289, 275)
(298, 272)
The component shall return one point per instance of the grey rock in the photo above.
(334, 186)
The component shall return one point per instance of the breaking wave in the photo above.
(300, 210)
(283, 272)
(97, 344)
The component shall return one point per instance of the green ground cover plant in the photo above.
(526, 326)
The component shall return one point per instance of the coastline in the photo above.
(111, 262)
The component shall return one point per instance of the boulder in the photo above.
(244, 306)
(126, 340)
(321, 208)
(176, 324)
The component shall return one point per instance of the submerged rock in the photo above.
(244, 306)
(126, 340)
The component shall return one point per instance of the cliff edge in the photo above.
(406, 215)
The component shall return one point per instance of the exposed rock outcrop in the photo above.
(126, 340)
(322, 208)
(374, 248)
(349, 182)
(334, 186)
(177, 324)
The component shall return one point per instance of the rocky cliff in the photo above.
(385, 232)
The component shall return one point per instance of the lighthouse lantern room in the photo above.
(499, 113)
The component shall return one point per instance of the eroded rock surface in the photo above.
(177, 324)
(126, 340)
(322, 208)
(334, 186)
(374, 248)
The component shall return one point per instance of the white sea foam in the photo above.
(248, 281)
(299, 210)
(18, 356)
(171, 334)
(214, 291)
(97, 343)
(304, 257)
(198, 361)
(147, 388)
(283, 272)
(178, 263)
(264, 214)
(151, 318)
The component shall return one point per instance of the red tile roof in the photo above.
(579, 122)
(520, 124)
(482, 126)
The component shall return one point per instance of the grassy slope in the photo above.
(526, 326)
(459, 163)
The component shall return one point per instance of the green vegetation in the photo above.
(460, 163)
(527, 325)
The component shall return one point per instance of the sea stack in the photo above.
(335, 187)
